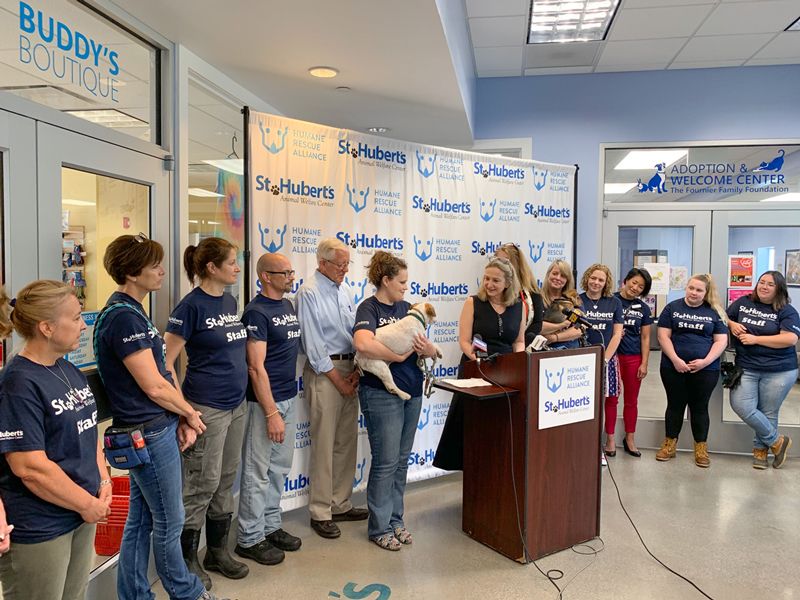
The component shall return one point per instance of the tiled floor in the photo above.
(731, 529)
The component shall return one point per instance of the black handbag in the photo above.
(731, 373)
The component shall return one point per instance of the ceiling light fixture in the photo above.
(644, 160)
(570, 20)
(791, 197)
(378, 129)
(201, 193)
(232, 165)
(794, 26)
(110, 117)
(76, 202)
(323, 72)
(618, 188)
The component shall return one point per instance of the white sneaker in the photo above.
(603, 461)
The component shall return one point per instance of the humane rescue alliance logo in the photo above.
(566, 390)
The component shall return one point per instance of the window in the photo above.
(64, 55)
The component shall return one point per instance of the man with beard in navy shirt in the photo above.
(273, 342)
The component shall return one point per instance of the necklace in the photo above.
(64, 379)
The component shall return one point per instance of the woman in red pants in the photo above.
(633, 353)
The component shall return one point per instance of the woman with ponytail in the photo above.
(53, 476)
(206, 324)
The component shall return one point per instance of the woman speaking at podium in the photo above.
(495, 314)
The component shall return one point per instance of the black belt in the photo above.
(165, 418)
(342, 356)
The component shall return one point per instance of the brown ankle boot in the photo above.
(667, 450)
(780, 448)
(701, 458)
(760, 458)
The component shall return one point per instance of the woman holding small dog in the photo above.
(558, 292)
(495, 314)
(391, 422)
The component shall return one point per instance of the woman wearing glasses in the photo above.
(493, 317)
(206, 324)
(143, 397)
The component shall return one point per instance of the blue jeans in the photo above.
(757, 400)
(265, 465)
(391, 425)
(156, 506)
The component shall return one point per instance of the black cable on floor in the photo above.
(639, 535)
(552, 575)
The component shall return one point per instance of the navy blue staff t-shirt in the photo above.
(372, 315)
(216, 374)
(603, 313)
(275, 322)
(636, 314)
(761, 319)
(693, 329)
(38, 412)
(120, 332)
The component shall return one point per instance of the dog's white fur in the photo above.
(399, 338)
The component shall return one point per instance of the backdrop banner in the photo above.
(444, 211)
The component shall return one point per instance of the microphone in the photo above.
(479, 347)
(538, 344)
(575, 316)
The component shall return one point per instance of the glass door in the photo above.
(90, 192)
(669, 238)
(771, 240)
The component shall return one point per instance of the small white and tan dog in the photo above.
(399, 338)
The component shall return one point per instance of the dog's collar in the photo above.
(417, 315)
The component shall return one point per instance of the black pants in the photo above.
(692, 389)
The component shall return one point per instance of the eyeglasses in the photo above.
(287, 273)
(140, 237)
(343, 266)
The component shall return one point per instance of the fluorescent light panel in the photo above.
(77, 202)
(791, 197)
(570, 20)
(642, 160)
(109, 118)
(204, 193)
(618, 188)
(232, 165)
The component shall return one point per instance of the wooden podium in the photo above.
(556, 470)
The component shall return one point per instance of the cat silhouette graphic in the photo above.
(776, 164)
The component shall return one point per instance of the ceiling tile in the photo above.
(497, 31)
(558, 70)
(497, 8)
(498, 59)
(499, 73)
(705, 64)
(561, 55)
(786, 45)
(772, 61)
(762, 16)
(723, 47)
(665, 22)
(644, 52)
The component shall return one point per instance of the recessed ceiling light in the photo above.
(638, 160)
(324, 72)
(378, 129)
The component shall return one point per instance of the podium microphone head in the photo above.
(480, 347)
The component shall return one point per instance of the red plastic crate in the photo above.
(108, 538)
(121, 486)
